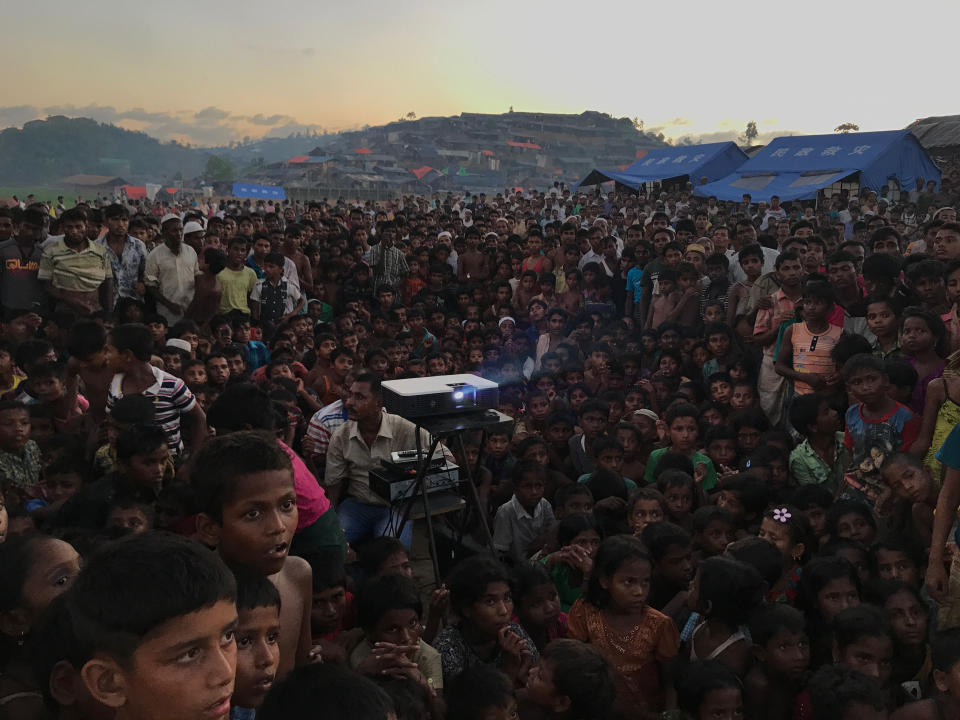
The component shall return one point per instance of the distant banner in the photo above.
(272, 192)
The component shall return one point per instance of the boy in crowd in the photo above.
(248, 511)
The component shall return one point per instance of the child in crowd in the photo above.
(613, 615)
(244, 476)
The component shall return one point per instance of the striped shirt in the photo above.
(171, 399)
(321, 427)
(77, 271)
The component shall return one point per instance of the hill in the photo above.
(470, 150)
(46, 151)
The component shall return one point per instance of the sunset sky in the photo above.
(208, 72)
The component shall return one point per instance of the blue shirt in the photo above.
(128, 268)
(634, 282)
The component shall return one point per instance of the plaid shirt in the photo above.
(128, 269)
(389, 266)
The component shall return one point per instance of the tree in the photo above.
(750, 134)
(411, 115)
(847, 127)
(637, 124)
(220, 168)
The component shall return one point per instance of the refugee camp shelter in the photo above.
(797, 167)
(699, 163)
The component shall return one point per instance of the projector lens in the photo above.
(458, 395)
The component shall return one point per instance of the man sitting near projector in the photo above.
(368, 436)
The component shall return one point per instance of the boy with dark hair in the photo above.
(525, 516)
(237, 278)
(572, 681)
(594, 415)
(258, 634)
(134, 375)
(821, 458)
(19, 455)
(166, 655)
(90, 357)
(876, 426)
(273, 299)
(682, 431)
(247, 506)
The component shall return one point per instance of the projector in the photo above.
(443, 395)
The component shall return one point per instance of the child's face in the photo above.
(577, 504)
(185, 669)
(897, 565)
(679, 500)
(723, 703)
(730, 501)
(748, 438)
(541, 688)
(540, 607)
(668, 366)
(629, 586)
(643, 513)
(814, 309)
(870, 656)
(133, 519)
(530, 491)
(910, 484)
(683, 434)
(720, 391)
(666, 286)
(497, 446)
(49, 389)
(715, 537)
(14, 429)
(916, 336)
(327, 609)
(610, 459)
(778, 534)
(397, 564)
(258, 655)
(173, 363)
(881, 319)
(60, 487)
(629, 441)
(593, 423)
(713, 313)
(868, 386)
(676, 566)
(398, 626)
(908, 619)
(787, 654)
(259, 519)
(147, 470)
(838, 594)
(492, 612)
(752, 266)
(854, 526)
(537, 453)
(742, 397)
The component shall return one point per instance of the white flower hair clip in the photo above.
(781, 514)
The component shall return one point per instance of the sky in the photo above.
(209, 71)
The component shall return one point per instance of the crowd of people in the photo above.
(729, 488)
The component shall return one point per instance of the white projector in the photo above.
(442, 395)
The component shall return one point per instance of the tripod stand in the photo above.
(440, 427)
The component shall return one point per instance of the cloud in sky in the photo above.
(210, 126)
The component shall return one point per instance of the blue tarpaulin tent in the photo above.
(710, 161)
(270, 192)
(796, 167)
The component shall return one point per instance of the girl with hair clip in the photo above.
(789, 530)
